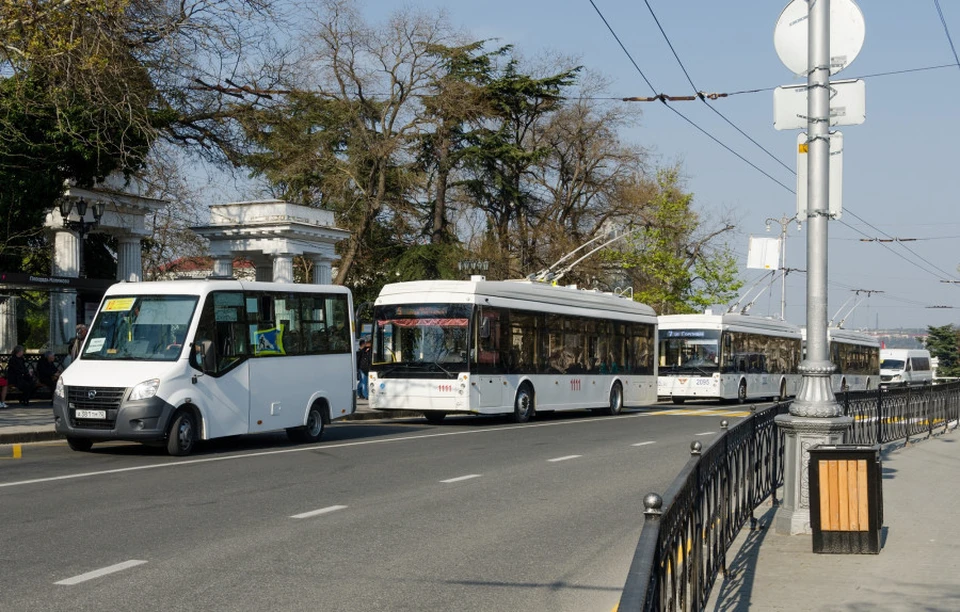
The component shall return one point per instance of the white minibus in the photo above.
(905, 367)
(173, 362)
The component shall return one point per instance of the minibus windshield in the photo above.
(140, 328)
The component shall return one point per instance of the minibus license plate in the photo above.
(90, 414)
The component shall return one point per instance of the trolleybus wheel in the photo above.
(434, 416)
(742, 392)
(783, 391)
(616, 399)
(679, 400)
(523, 406)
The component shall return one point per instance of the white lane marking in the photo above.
(555, 459)
(313, 447)
(119, 567)
(460, 478)
(318, 512)
(706, 433)
(644, 443)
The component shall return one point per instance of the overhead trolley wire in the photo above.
(664, 99)
(678, 113)
(946, 31)
(701, 96)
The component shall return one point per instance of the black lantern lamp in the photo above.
(82, 227)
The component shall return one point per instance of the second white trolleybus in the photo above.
(727, 357)
(509, 347)
(856, 359)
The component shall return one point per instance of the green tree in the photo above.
(502, 152)
(944, 343)
(673, 262)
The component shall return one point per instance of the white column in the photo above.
(129, 262)
(66, 253)
(223, 266)
(8, 323)
(322, 271)
(63, 304)
(283, 268)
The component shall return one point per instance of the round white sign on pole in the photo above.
(847, 31)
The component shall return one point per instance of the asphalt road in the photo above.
(475, 514)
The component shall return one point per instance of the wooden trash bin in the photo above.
(846, 498)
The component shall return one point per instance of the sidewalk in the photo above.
(918, 567)
(34, 423)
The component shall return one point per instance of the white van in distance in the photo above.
(905, 367)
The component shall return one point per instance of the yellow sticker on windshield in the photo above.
(119, 304)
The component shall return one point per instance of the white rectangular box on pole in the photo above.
(836, 175)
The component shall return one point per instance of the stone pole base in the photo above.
(815, 418)
(800, 435)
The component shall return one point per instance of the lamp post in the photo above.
(784, 221)
(81, 226)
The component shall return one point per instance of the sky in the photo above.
(900, 172)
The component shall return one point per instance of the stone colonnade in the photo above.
(270, 233)
(124, 216)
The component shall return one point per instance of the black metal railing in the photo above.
(686, 534)
(887, 415)
(683, 545)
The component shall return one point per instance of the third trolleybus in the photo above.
(509, 347)
(727, 357)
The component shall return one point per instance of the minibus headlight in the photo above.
(145, 390)
(59, 391)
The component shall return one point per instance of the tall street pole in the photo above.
(815, 416)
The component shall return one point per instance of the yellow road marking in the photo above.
(17, 452)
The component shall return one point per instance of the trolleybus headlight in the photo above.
(145, 390)
(60, 391)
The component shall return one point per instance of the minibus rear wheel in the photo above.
(313, 430)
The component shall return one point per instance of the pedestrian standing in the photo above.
(73, 349)
(19, 375)
(363, 367)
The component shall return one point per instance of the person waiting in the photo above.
(19, 375)
(4, 387)
(48, 371)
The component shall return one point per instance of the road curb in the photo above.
(23, 437)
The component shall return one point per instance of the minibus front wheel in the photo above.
(183, 434)
(82, 445)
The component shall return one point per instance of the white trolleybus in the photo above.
(856, 359)
(727, 357)
(509, 347)
(173, 362)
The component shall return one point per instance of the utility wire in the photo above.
(700, 94)
(678, 113)
(663, 100)
(911, 251)
(947, 32)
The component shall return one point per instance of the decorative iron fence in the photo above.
(683, 545)
(686, 534)
(886, 415)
